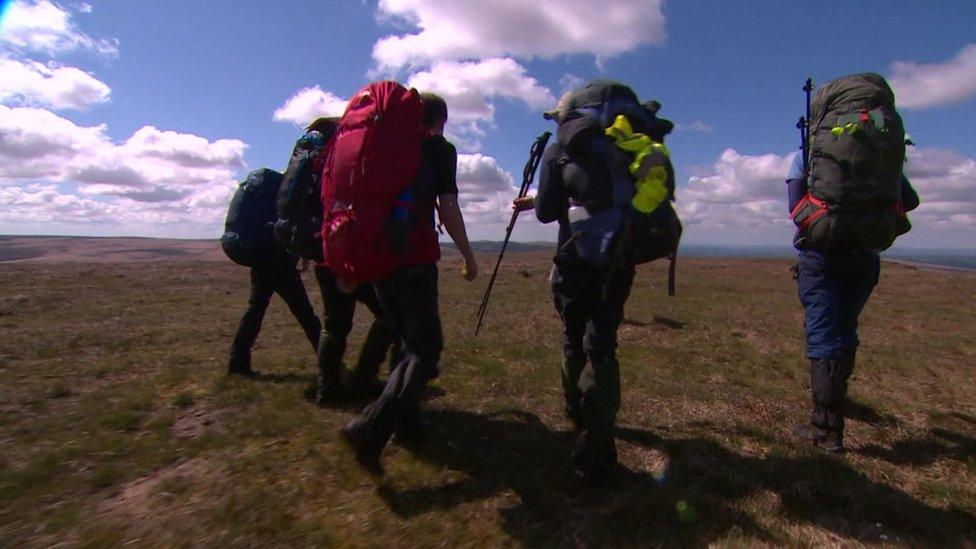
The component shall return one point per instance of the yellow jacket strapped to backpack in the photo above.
(649, 167)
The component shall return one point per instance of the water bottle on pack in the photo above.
(577, 214)
(400, 222)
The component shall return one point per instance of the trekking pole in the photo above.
(804, 126)
(528, 174)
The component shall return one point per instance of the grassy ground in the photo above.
(117, 423)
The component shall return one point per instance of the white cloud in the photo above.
(738, 194)
(485, 190)
(308, 104)
(185, 150)
(157, 181)
(471, 29)
(56, 175)
(922, 85)
(41, 25)
(946, 183)
(570, 82)
(33, 83)
(696, 126)
(470, 89)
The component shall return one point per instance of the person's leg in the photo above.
(569, 294)
(601, 382)
(247, 330)
(410, 297)
(819, 292)
(337, 313)
(857, 279)
(857, 282)
(378, 341)
(289, 285)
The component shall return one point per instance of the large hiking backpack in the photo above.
(856, 156)
(372, 159)
(247, 238)
(596, 174)
(299, 203)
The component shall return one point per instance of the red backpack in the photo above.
(374, 156)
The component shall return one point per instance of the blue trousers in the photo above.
(833, 291)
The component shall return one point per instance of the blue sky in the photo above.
(122, 117)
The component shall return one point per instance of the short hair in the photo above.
(326, 125)
(435, 109)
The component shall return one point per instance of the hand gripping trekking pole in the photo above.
(528, 174)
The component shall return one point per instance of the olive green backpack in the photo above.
(856, 154)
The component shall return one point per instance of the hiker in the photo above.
(409, 297)
(298, 227)
(604, 168)
(248, 240)
(848, 207)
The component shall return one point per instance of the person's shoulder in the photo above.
(440, 144)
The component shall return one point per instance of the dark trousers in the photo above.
(409, 299)
(267, 279)
(833, 291)
(590, 301)
(337, 315)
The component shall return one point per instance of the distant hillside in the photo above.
(76, 249)
(491, 246)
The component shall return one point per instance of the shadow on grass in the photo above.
(937, 443)
(940, 443)
(662, 320)
(698, 499)
(859, 411)
(285, 378)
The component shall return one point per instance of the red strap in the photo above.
(808, 199)
(864, 116)
(820, 204)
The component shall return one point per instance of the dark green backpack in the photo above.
(247, 238)
(857, 152)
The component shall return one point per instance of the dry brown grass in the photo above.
(118, 425)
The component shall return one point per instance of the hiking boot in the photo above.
(240, 365)
(356, 435)
(327, 393)
(412, 429)
(595, 463)
(575, 416)
(829, 441)
(572, 368)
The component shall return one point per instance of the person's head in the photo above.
(326, 125)
(435, 112)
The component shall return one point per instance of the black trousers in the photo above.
(337, 315)
(409, 299)
(590, 301)
(268, 279)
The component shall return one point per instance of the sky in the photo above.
(122, 117)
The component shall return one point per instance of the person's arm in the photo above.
(453, 221)
(796, 183)
(796, 188)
